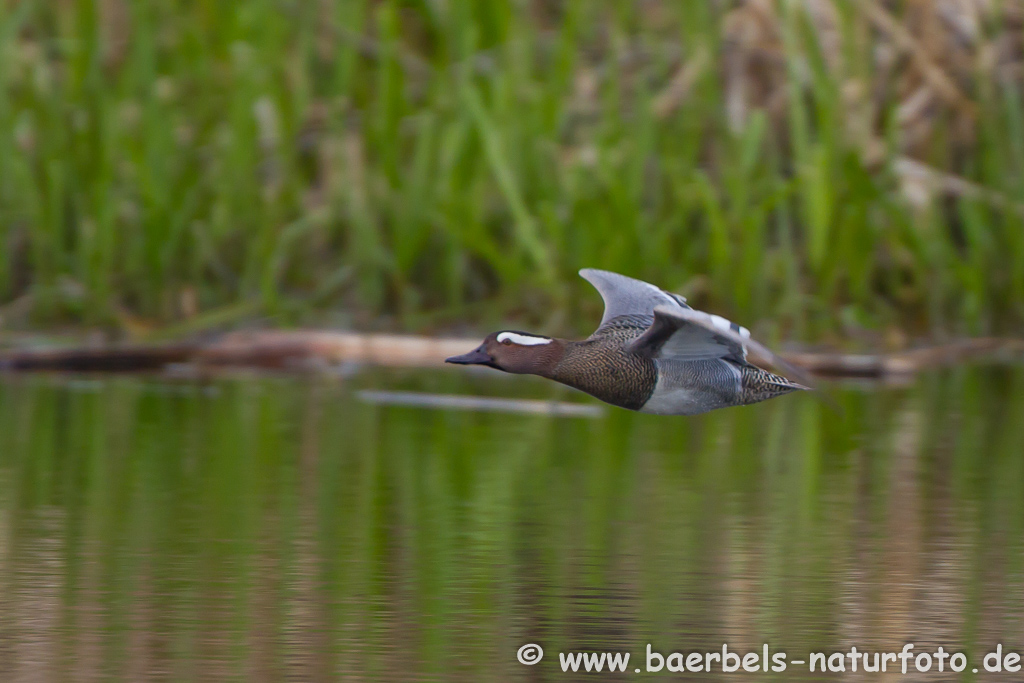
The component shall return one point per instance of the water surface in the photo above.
(273, 528)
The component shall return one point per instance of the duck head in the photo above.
(517, 352)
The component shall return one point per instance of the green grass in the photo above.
(418, 164)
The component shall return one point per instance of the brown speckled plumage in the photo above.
(603, 367)
(760, 385)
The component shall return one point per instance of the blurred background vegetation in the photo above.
(821, 169)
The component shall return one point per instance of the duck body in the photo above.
(605, 367)
(652, 353)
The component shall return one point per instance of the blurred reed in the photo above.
(834, 167)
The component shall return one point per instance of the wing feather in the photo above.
(628, 296)
(686, 334)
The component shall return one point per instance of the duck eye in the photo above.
(507, 342)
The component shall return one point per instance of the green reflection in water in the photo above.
(259, 529)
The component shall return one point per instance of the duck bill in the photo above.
(475, 357)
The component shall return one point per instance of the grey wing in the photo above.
(686, 334)
(627, 296)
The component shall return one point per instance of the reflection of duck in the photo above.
(651, 353)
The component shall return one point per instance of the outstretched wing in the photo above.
(627, 296)
(686, 334)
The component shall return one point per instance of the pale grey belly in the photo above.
(693, 387)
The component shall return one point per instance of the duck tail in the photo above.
(758, 385)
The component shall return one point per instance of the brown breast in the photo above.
(602, 367)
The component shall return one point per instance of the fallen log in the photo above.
(316, 349)
(908, 362)
(97, 359)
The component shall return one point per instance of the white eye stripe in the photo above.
(522, 339)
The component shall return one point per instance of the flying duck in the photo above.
(651, 353)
